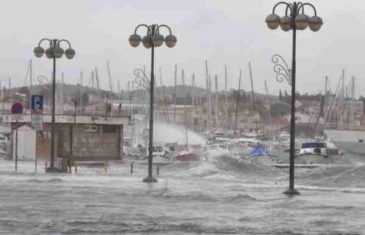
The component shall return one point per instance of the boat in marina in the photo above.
(351, 141)
(160, 154)
(260, 155)
(314, 153)
(186, 156)
(218, 148)
(313, 148)
(284, 139)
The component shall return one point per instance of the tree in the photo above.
(280, 95)
(286, 94)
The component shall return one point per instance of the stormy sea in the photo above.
(222, 194)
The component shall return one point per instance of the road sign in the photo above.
(37, 112)
(37, 104)
(17, 108)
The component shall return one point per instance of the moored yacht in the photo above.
(186, 156)
(352, 141)
(313, 148)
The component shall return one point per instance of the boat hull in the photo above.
(186, 157)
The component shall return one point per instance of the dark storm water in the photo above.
(223, 195)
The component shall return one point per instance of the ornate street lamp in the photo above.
(42, 80)
(142, 83)
(55, 51)
(294, 19)
(152, 39)
(141, 80)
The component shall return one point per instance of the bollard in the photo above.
(106, 167)
(131, 167)
(75, 168)
(157, 169)
(46, 166)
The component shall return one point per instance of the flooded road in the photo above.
(223, 195)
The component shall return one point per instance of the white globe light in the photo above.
(70, 53)
(157, 40)
(301, 21)
(134, 40)
(286, 23)
(49, 53)
(273, 21)
(57, 52)
(38, 51)
(315, 23)
(170, 41)
(146, 41)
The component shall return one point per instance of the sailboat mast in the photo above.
(30, 81)
(225, 95)
(269, 105)
(193, 89)
(10, 91)
(185, 111)
(61, 95)
(209, 99)
(325, 96)
(164, 112)
(2, 91)
(97, 82)
(216, 100)
(110, 77)
(207, 79)
(175, 93)
(193, 95)
(237, 100)
(81, 89)
(342, 96)
(253, 95)
(352, 99)
(119, 92)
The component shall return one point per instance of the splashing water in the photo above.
(170, 133)
(165, 132)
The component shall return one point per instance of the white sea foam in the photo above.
(169, 133)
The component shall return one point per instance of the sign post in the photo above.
(37, 120)
(17, 109)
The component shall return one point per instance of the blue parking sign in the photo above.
(37, 104)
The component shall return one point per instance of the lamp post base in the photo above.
(53, 170)
(149, 179)
(291, 192)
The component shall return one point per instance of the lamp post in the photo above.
(294, 20)
(150, 41)
(55, 51)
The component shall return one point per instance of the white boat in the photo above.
(247, 141)
(218, 149)
(313, 148)
(315, 153)
(160, 155)
(284, 139)
(351, 141)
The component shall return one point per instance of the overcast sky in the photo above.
(231, 32)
